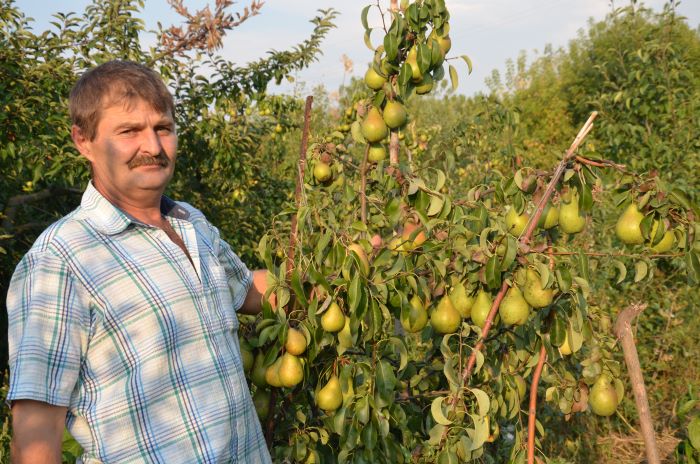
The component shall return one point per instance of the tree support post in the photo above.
(623, 331)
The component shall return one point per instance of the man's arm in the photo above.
(37, 432)
(254, 298)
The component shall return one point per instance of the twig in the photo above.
(18, 200)
(601, 163)
(532, 410)
(394, 148)
(363, 187)
(623, 330)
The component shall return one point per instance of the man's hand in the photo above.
(253, 300)
(37, 432)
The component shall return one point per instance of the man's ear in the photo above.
(81, 142)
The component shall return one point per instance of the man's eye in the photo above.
(164, 130)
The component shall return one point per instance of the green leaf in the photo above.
(453, 77)
(298, 287)
(368, 40)
(482, 400)
(391, 46)
(468, 61)
(640, 270)
(493, 272)
(436, 204)
(622, 270)
(436, 411)
(363, 16)
(694, 432)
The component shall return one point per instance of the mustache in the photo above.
(146, 160)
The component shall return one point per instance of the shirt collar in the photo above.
(110, 220)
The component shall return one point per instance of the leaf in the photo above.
(640, 270)
(298, 287)
(482, 400)
(436, 411)
(391, 46)
(363, 16)
(356, 132)
(694, 432)
(436, 204)
(405, 74)
(583, 265)
(468, 61)
(622, 270)
(493, 272)
(355, 293)
(453, 77)
(368, 41)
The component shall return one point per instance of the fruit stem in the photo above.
(532, 410)
(559, 171)
(623, 330)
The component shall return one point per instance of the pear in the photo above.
(425, 85)
(272, 373)
(333, 319)
(437, 57)
(395, 114)
(322, 172)
(461, 301)
(481, 308)
(514, 310)
(412, 61)
(408, 230)
(261, 401)
(247, 359)
(296, 342)
(628, 227)
(374, 80)
(345, 337)
(362, 256)
(603, 396)
(549, 218)
(516, 223)
(534, 294)
(445, 318)
(667, 241)
(565, 348)
(417, 316)
(521, 386)
(376, 152)
(373, 127)
(258, 374)
(445, 44)
(570, 219)
(290, 370)
(330, 397)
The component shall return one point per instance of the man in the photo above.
(122, 316)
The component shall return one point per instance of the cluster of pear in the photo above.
(459, 304)
(628, 229)
(376, 125)
(567, 215)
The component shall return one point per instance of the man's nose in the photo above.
(151, 143)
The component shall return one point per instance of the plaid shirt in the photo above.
(109, 318)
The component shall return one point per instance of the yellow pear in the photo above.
(481, 308)
(417, 316)
(570, 219)
(534, 294)
(374, 80)
(296, 342)
(412, 61)
(258, 374)
(373, 127)
(425, 85)
(603, 397)
(333, 319)
(445, 318)
(514, 310)
(362, 255)
(565, 348)
(667, 241)
(290, 371)
(461, 301)
(345, 340)
(516, 223)
(272, 373)
(628, 227)
(322, 172)
(395, 114)
(330, 397)
(261, 401)
(445, 44)
(409, 229)
(376, 153)
(550, 217)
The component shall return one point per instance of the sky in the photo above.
(488, 31)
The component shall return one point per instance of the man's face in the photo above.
(133, 152)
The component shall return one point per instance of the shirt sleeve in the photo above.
(47, 330)
(240, 278)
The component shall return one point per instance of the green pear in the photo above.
(628, 227)
(330, 397)
(516, 223)
(549, 218)
(445, 318)
(376, 153)
(374, 80)
(373, 127)
(333, 319)
(394, 114)
(261, 401)
(481, 308)
(258, 374)
(668, 240)
(534, 294)
(345, 340)
(417, 316)
(425, 85)
(272, 373)
(247, 359)
(296, 342)
(412, 61)
(514, 310)
(322, 172)
(290, 371)
(603, 396)
(570, 219)
(461, 301)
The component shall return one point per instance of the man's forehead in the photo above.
(121, 106)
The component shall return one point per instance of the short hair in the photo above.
(112, 83)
